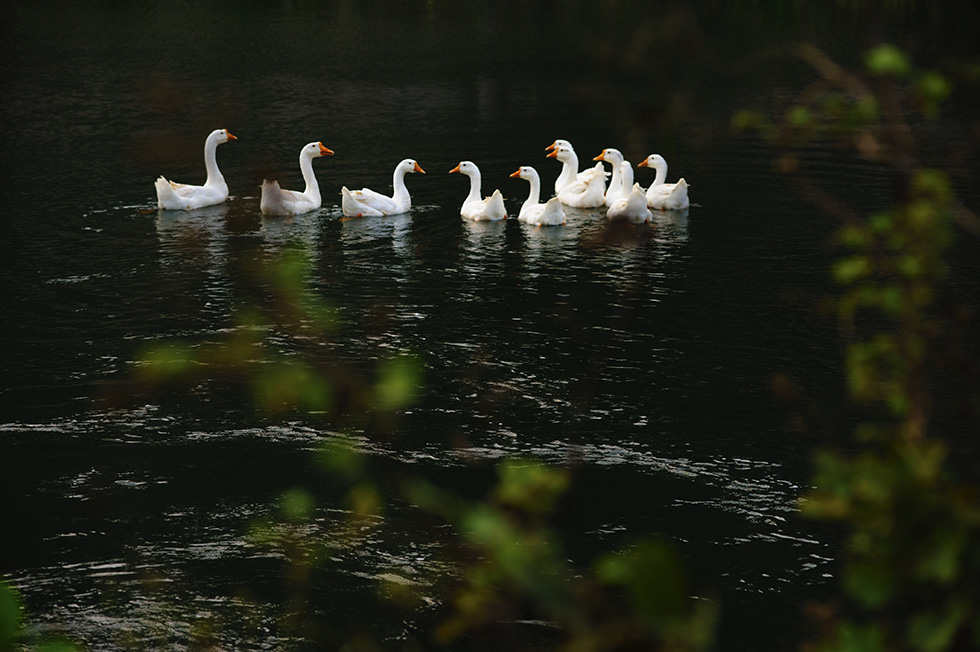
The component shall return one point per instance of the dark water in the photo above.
(644, 358)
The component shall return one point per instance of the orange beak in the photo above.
(324, 151)
(600, 157)
(516, 174)
(455, 169)
(418, 169)
(552, 154)
(551, 146)
(642, 164)
(230, 135)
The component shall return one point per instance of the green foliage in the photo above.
(911, 564)
(10, 616)
(639, 597)
(398, 383)
(11, 622)
(887, 61)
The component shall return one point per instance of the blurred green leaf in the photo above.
(341, 460)
(849, 270)
(163, 363)
(285, 386)
(297, 505)
(532, 487)
(932, 89)
(57, 646)
(866, 111)
(855, 638)
(365, 499)
(398, 382)
(654, 577)
(871, 584)
(933, 631)
(799, 116)
(746, 120)
(10, 615)
(887, 61)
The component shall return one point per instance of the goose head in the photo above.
(561, 153)
(222, 135)
(558, 143)
(409, 165)
(466, 167)
(312, 150)
(610, 155)
(655, 161)
(525, 172)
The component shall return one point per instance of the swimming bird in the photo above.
(181, 196)
(662, 195)
(475, 206)
(588, 188)
(615, 158)
(368, 203)
(276, 201)
(569, 171)
(550, 213)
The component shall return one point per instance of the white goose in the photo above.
(662, 195)
(181, 196)
(550, 213)
(631, 207)
(276, 201)
(615, 158)
(581, 192)
(569, 171)
(475, 206)
(368, 203)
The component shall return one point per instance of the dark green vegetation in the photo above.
(912, 553)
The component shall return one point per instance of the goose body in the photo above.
(276, 201)
(368, 203)
(662, 195)
(615, 190)
(569, 171)
(631, 207)
(181, 196)
(585, 190)
(475, 206)
(532, 212)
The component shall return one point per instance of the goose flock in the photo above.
(622, 198)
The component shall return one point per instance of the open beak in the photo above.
(642, 164)
(418, 169)
(230, 135)
(516, 174)
(455, 169)
(324, 151)
(552, 154)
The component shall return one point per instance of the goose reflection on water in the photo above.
(397, 228)
(193, 236)
(279, 232)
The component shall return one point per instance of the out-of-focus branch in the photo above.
(832, 72)
(965, 218)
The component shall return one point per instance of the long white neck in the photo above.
(568, 172)
(398, 183)
(474, 188)
(627, 173)
(306, 166)
(215, 180)
(535, 191)
(661, 178)
(617, 176)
